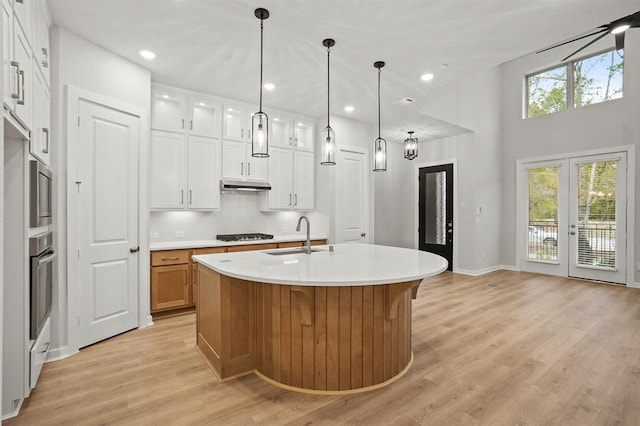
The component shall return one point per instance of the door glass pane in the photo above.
(597, 214)
(435, 208)
(542, 240)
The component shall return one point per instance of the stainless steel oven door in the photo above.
(41, 290)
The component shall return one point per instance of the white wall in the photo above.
(472, 104)
(609, 124)
(80, 63)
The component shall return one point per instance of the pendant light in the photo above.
(380, 145)
(410, 147)
(328, 136)
(260, 121)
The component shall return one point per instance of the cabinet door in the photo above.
(204, 173)
(167, 170)
(280, 132)
(41, 24)
(10, 72)
(170, 287)
(280, 175)
(167, 109)
(24, 15)
(256, 167)
(24, 104)
(39, 145)
(234, 123)
(204, 117)
(303, 180)
(303, 135)
(233, 158)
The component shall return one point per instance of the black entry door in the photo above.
(435, 232)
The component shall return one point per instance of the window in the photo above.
(593, 79)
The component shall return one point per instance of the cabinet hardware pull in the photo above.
(16, 64)
(242, 133)
(189, 197)
(295, 197)
(45, 51)
(241, 168)
(290, 141)
(46, 348)
(45, 64)
(134, 249)
(170, 258)
(182, 196)
(364, 234)
(248, 169)
(289, 199)
(190, 124)
(21, 100)
(46, 132)
(182, 123)
(20, 1)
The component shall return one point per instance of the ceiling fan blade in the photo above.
(620, 41)
(586, 45)
(571, 40)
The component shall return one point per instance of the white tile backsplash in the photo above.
(239, 213)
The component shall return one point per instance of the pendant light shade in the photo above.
(260, 121)
(410, 147)
(380, 145)
(328, 136)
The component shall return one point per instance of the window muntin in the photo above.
(593, 79)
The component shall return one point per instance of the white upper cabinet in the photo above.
(41, 25)
(303, 180)
(40, 143)
(203, 173)
(9, 71)
(24, 10)
(303, 135)
(167, 160)
(23, 66)
(177, 110)
(280, 174)
(280, 133)
(239, 164)
(167, 109)
(236, 123)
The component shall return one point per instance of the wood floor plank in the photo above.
(502, 348)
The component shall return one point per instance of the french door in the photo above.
(573, 217)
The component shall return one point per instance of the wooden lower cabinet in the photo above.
(173, 273)
(170, 287)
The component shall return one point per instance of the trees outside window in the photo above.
(594, 79)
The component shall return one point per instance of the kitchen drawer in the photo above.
(39, 352)
(291, 244)
(248, 247)
(209, 250)
(169, 257)
(318, 242)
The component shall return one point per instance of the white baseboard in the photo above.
(635, 285)
(60, 353)
(488, 270)
(148, 322)
(13, 412)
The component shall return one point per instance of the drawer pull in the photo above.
(170, 258)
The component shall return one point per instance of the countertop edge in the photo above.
(191, 244)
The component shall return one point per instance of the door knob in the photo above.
(364, 234)
(134, 249)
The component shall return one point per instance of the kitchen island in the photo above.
(335, 321)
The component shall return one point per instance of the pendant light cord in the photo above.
(328, 87)
(261, 26)
(378, 103)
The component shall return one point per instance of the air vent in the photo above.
(405, 101)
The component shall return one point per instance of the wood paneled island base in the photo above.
(313, 339)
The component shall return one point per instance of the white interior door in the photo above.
(352, 201)
(597, 229)
(108, 142)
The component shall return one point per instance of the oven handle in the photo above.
(46, 259)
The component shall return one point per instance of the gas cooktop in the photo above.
(244, 237)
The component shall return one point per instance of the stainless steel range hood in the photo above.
(243, 185)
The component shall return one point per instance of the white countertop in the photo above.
(347, 265)
(187, 244)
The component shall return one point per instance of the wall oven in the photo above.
(42, 257)
(40, 202)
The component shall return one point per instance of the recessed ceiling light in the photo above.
(147, 54)
(349, 108)
(300, 124)
(201, 103)
(165, 96)
(230, 109)
(269, 86)
(276, 119)
(426, 77)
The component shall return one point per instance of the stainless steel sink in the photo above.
(301, 250)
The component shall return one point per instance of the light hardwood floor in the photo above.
(505, 348)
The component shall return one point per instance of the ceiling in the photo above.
(213, 46)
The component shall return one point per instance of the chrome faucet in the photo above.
(307, 247)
